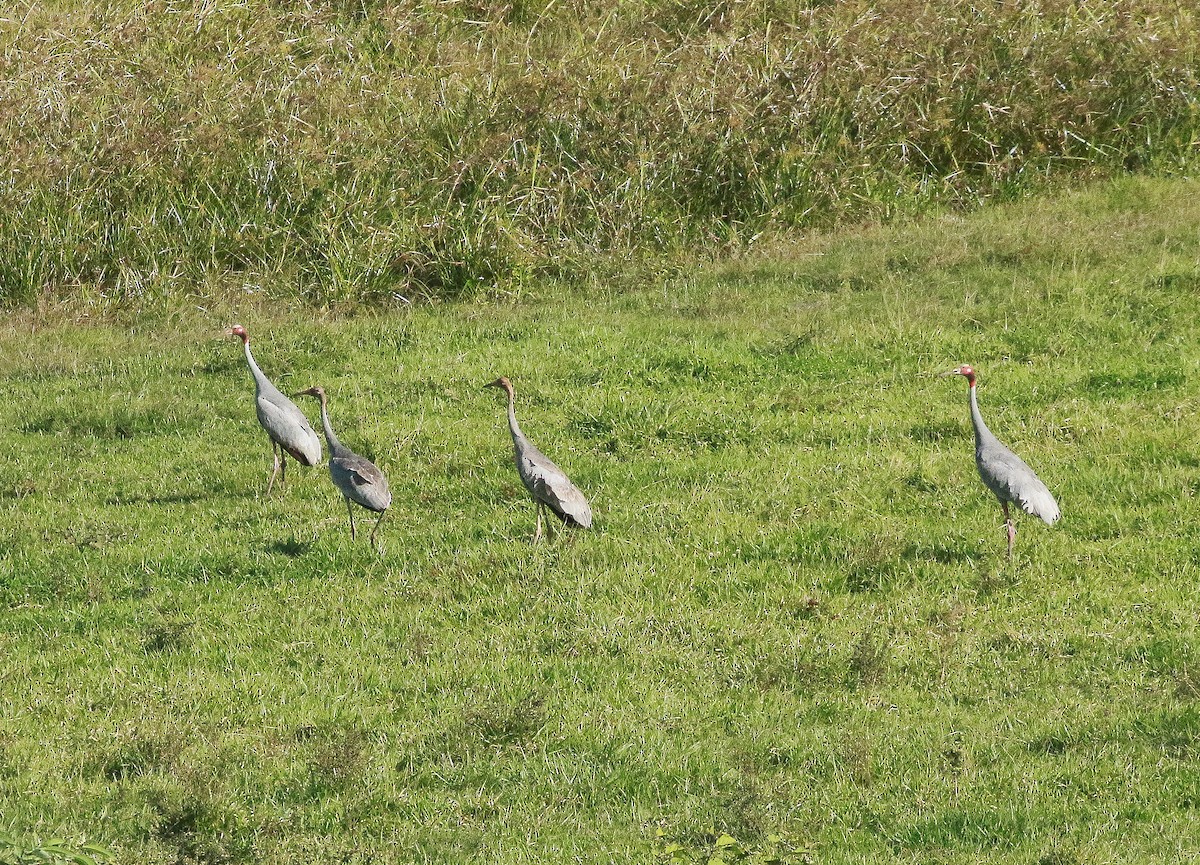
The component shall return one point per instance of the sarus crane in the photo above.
(1005, 473)
(546, 482)
(288, 428)
(357, 478)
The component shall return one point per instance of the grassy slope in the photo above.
(794, 617)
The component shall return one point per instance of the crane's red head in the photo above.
(503, 383)
(966, 370)
(315, 391)
(238, 330)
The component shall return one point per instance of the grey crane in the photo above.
(546, 482)
(1005, 473)
(288, 428)
(359, 480)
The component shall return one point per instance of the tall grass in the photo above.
(368, 151)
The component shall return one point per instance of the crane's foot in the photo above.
(274, 471)
(375, 531)
(1009, 527)
(537, 535)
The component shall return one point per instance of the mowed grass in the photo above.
(792, 635)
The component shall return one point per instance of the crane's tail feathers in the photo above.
(303, 458)
(578, 517)
(1044, 507)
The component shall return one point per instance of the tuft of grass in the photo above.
(54, 851)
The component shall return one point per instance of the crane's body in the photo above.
(1005, 473)
(357, 478)
(286, 426)
(547, 483)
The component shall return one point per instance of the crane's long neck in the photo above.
(334, 444)
(513, 426)
(261, 382)
(981, 430)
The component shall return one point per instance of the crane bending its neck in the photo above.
(334, 444)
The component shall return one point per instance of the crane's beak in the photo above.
(948, 374)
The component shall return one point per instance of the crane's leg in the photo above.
(1008, 525)
(537, 536)
(350, 510)
(375, 531)
(275, 467)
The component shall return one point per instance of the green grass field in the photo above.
(791, 637)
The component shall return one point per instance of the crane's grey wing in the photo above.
(1007, 475)
(548, 483)
(288, 426)
(362, 481)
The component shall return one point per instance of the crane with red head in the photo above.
(289, 430)
(1003, 472)
(547, 483)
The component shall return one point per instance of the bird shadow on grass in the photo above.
(994, 573)
(291, 547)
(170, 499)
(17, 490)
(868, 578)
(943, 554)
